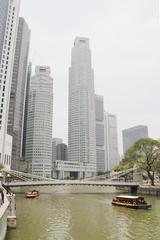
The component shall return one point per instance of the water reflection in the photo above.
(58, 221)
(83, 217)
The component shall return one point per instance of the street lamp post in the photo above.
(8, 179)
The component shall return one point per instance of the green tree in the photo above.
(158, 168)
(128, 160)
(145, 153)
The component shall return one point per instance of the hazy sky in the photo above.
(125, 43)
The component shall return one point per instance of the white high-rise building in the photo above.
(9, 16)
(100, 134)
(81, 135)
(111, 135)
(39, 123)
(107, 155)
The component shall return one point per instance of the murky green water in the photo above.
(83, 217)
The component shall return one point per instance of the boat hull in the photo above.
(134, 206)
(32, 194)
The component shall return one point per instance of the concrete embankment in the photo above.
(7, 212)
(149, 190)
(3, 217)
(11, 217)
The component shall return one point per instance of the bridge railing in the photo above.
(117, 175)
(113, 175)
(28, 176)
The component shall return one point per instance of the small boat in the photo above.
(135, 202)
(32, 194)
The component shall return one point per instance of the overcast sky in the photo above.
(125, 44)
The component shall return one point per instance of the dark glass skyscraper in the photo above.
(9, 15)
(18, 92)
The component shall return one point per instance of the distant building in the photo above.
(100, 134)
(133, 134)
(81, 126)
(39, 123)
(9, 16)
(62, 152)
(55, 142)
(107, 155)
(59, 153)
(111, 135)
(18, 92)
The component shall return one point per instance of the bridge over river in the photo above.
(132, 185)
(26, 179)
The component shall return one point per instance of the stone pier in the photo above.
(7, 213)
(11, 217)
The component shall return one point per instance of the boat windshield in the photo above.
(130, 199)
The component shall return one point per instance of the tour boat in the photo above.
(135, 202)
(32, 194)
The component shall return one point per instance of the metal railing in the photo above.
(28, 176)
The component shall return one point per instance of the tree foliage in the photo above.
(145, 153)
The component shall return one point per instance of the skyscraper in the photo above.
(133, 134)
(9, 14)
(18, 92)
(29, 74)
(100, 134)
(112, 155)
(39, 123)
(81, 136)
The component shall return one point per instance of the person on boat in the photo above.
(35, 191)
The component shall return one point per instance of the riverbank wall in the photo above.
(149, 190)
(3, 217)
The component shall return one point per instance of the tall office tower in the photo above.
(29, 74)
(81, 135)
(100, 134)
(131, 135)
(112, 155)
(18, 92)
(39, 123)
(9, 16)
(62, 152)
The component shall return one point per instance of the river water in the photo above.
(83, 216)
